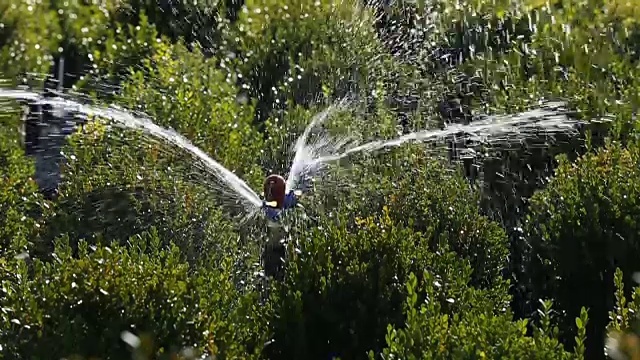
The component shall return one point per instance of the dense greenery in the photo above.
(526, 249)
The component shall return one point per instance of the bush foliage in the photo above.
(511, 249)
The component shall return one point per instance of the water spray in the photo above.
(310, 159)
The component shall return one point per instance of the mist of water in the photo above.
(304, 167)
(241, 190)
(314, 156)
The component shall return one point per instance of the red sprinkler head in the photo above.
(274, 189)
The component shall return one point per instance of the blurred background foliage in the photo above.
(514, 249)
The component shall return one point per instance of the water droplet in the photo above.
(131, 339)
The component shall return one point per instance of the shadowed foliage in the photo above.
(516, 247)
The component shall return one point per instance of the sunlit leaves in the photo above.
(26, 49)
(583, 226)
(19, 199)
(310, 47)
(187, 92)
(82, 305)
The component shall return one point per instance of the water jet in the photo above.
(311, 157)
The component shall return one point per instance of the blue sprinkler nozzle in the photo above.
(273, 213)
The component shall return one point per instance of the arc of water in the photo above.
(311, 157)
(303, 165)
(549, 118)
(250, 200)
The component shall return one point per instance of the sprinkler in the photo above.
(276, 199)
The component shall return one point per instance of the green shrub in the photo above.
(186, 92)
(623, 329)
(477, 331)
(426, 195)
(117, 185)
(25, 44)
(97, 49)
(166, 258)
(568, 51)
(126, 182)
(344, 285)
(345, 296)
(201, 22)
(364, 234)
(580, 228)
(19, 198)
(118, 54)
(304, 50)
(81, 305)
(84, 27)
